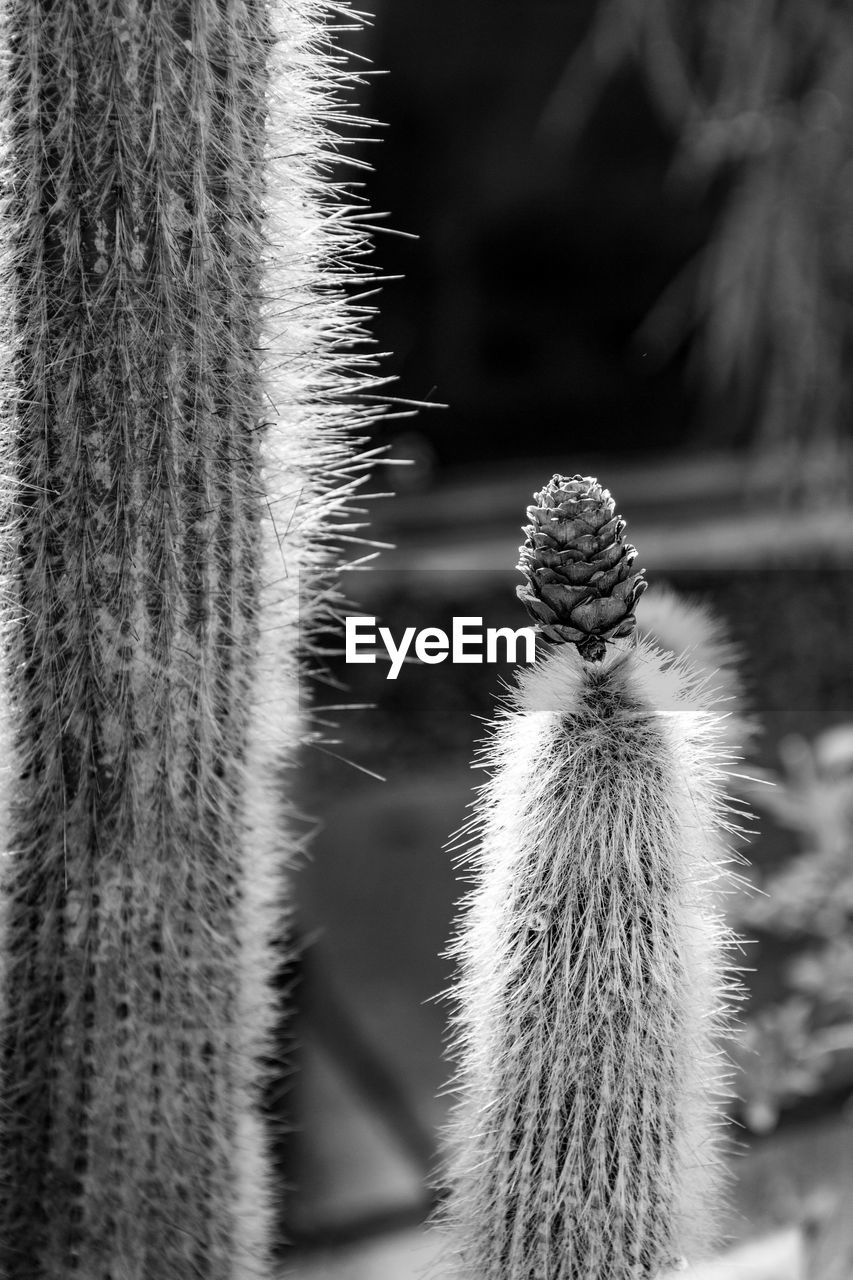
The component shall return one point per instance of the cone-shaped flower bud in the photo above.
(580, 583)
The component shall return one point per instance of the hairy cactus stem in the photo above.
(593, 982)
(175, 427)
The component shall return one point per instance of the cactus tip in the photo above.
(580, 585)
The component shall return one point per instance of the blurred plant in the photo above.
(794, 1047)
(760, 96)
(689, 631)
(593, 983)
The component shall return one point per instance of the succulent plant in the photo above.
(173, 419)
(593, 971)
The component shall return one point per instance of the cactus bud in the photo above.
(580, 585)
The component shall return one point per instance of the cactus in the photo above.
(176, 327)
(687, 628)
(593, 981)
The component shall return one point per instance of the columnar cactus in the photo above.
(592, 976)
(174, 320)
(688, 629)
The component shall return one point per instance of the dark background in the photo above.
(537, 259)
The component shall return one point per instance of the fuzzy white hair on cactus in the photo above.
(593, 961)
(688, 628)
(180, 405)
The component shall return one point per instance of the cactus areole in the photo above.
(172, 311)
(592, 979)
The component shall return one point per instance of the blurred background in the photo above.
(633, 259)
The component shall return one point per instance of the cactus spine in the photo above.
(689, 630)
(174, 318)
(592, 981)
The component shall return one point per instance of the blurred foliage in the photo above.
(803, 1042)
(760, 96)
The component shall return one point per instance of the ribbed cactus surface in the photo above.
(592, 977)
(173, 319)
